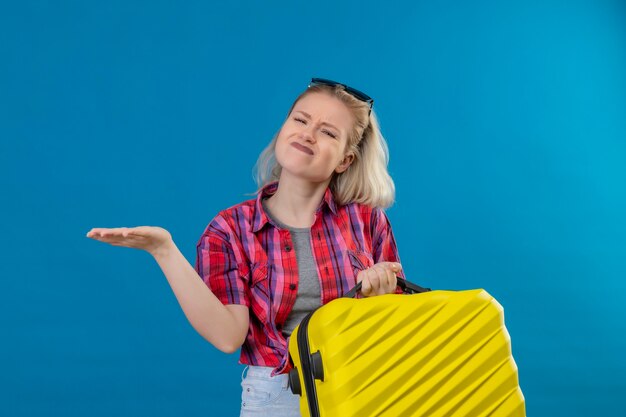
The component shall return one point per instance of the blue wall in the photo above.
(507, 131)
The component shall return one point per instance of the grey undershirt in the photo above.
(308, 297)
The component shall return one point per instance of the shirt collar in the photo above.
(260, 218)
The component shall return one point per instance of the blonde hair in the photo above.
(366, 180)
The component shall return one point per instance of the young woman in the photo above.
(315, 229)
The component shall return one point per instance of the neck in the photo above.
(295, 201)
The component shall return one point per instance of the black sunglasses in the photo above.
(355, 93)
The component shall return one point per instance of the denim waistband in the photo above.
(264, 372)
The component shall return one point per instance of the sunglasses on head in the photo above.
(355, 93)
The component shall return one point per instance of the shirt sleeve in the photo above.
(217, 265)
(384, 248)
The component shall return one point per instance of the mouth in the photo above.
(302, 148)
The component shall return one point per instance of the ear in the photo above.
(345, 163)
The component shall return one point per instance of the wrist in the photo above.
(164, 250)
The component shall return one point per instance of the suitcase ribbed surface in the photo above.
(440, 353)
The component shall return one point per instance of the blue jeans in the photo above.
(264, 395)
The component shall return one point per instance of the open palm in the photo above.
(148, 238)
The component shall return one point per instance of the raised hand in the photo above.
(152, 239)
(380, 279)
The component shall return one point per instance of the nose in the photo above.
(308, 134)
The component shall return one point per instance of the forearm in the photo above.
(203, 309)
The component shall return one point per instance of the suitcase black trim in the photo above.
(305, 361)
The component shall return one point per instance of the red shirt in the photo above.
(244, 258)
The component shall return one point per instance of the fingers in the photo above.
(380, 279)
(117, 231)
(386, 279)
(394, 266)
(100, 232)
(366, 286)
(119, 236)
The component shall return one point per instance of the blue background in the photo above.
(507, 131)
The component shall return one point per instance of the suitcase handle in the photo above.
(407, 286)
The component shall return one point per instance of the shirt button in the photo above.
(288, 248)
(292, 286)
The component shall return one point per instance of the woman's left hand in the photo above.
(379, 279)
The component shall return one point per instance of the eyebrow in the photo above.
(308, 116)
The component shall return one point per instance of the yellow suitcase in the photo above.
(432, 353)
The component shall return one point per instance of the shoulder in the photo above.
(230, 221)
(243, 210)
(365, 213)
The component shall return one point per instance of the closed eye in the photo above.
(331, 134)
(326, 132)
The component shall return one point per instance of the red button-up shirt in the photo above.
(245, 258)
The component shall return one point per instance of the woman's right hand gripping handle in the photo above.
(225, 327)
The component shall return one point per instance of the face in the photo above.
(312, 141)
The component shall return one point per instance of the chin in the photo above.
(295, 170)
(300, 167)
